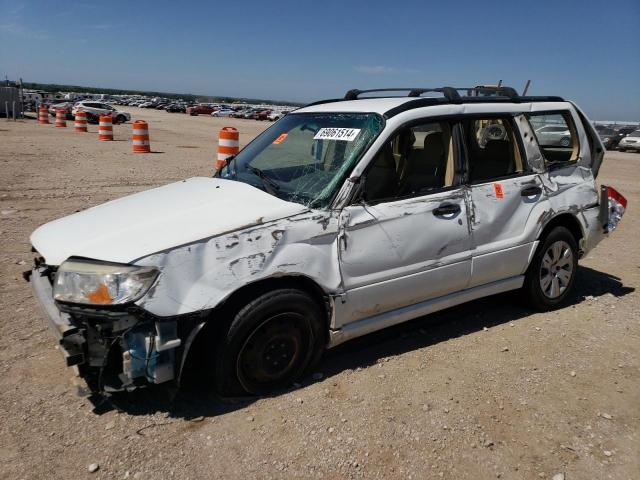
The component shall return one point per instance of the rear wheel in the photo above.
(271, 342)
(552, 271)
(121, 119)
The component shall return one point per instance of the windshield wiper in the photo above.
(269, 185)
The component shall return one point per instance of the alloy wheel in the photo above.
(556, 269)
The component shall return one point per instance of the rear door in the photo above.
(505, 194)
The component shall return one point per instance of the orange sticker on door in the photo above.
(498, 189)
(279, 140)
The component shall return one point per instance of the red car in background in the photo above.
(261, 115)
(200, 109)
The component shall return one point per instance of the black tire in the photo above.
(621, 149)
(121, 119)
(536, 292)
(270, 344)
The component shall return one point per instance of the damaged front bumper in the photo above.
(113, 350)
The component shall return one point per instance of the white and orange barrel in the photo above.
(61, 118)
(43, 115)
(228, 145)
(80, 123)
(105, 127)
(140, 137)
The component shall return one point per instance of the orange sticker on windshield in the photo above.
(498, 189)
(279, 140)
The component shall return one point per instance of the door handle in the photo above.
(446, 209)
(531, 191)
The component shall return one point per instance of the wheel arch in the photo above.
(570, 222)
(219, 318)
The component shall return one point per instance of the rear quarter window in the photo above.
(556, 135)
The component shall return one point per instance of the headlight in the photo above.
(96, 283)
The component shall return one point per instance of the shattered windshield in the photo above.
(305, 157)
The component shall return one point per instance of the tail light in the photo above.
(615, 204)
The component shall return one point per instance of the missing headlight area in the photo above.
(116, 351)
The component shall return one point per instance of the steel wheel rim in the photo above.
(272, 352)
(556, 269)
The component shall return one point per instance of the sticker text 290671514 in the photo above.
(348, 134)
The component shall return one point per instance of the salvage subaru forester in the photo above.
(345, 217)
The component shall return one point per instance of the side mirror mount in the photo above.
(361, 192)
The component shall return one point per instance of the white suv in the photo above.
(345, 217)
(95, 109)
(630, 142)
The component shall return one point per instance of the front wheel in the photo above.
(121, 119)
(552, 271)
(270, 344)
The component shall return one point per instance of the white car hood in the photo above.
(132, 227)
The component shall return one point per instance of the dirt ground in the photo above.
(486, 390)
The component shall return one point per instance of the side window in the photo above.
(492, 149)
(556, 135)
(415, 161)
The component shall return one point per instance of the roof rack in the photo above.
(449, 93)
(479, 94)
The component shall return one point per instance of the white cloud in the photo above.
(17, 30)
(375, 69)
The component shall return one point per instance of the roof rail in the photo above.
(478, 94)
(491, 91)
(449, 93)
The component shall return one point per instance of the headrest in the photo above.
(406, 140)
(434, 145)
(385, 157)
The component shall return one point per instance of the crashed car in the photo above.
(344, 217)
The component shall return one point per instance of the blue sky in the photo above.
(588, 51)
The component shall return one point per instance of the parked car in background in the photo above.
(176, 108)
(95, 109)
(223, 113)
(551, 135)
(607, 137)
(261, 115)
(66, 106)
(201, 109)
(619, 134)
(630, 142)
(273, 116)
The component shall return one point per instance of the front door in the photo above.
(407, 240)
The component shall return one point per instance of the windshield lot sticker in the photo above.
(348, 134)
(279, 140)
(498, 189)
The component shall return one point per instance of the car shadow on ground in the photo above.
(194, 402)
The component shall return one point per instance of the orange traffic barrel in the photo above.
(105, 127)
(80, 124)
(43, 115)
(228, 145)
(61, 118)
(140, 137)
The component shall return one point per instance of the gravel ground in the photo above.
(489, 389)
